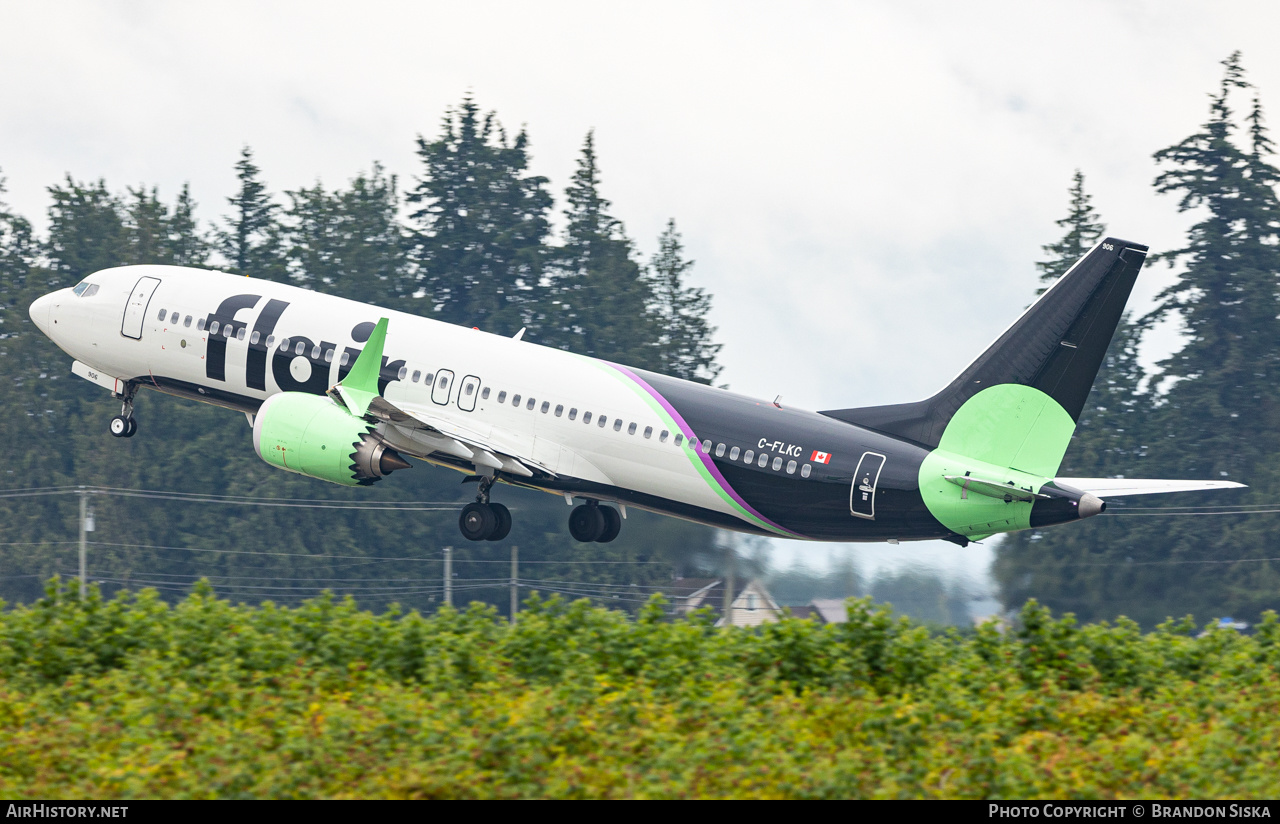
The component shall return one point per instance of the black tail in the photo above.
(1056, 346)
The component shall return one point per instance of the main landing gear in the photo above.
(592, 523)
(125, 425)
(482, 520)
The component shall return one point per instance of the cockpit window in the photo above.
(85, 289)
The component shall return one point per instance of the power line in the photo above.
(1173, 563)
(231, 500)
(369, 558)
(1176, 512)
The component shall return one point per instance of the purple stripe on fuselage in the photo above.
(688, 432)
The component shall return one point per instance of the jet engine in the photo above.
(313, 436)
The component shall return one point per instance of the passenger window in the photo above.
(328, 356)
(559, 409)
(720, 450)
(299, 348)
(484, 394)
(764, 460)
(573, 414)
(255, 337)
(502, 396)
(733, 454)
(470, 388)
(662, 436)
(284, 344)
(791, 467)
(163, 312)
(429, 379)
(631, 430)
(515, 401)
(706, 447)
(186, 322)
(777, 464)
(648, 431)
(213, 328)
(805, 470)
(315, 351)
(602, 420)
(200, 324)
(444, 383)
(586, 417)
(749, 457)
(240, 334)
(404, 370)
(346, 356)
(679, 439)
(529, 404)
(226, 331)
(546, 405)
(617, 424)
(416, 376)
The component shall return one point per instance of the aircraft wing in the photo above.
(437, 434)
(1119, 487)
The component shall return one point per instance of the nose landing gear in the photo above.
(125, 425)
(483, 520)
(592, 523)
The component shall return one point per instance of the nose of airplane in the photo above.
(40, 310)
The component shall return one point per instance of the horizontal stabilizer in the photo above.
(1119, 487)
(992, 489)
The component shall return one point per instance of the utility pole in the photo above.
(515, 573)
(84, 538)
(729, 585)
(448, 575)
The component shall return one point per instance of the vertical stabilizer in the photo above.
(1055, 348)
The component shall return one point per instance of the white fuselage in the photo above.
(466, 380)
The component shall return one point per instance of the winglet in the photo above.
(358, 389)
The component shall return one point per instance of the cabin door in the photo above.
(862, 497)
(135, 311)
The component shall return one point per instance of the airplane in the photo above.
(345, 392)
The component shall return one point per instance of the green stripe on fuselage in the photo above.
(1007, 432)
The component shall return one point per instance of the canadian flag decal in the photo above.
(820, 457)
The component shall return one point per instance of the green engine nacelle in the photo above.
(313, 436)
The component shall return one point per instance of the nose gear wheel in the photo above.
(125, 425)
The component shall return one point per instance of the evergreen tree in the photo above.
(187, 245)
(86, 230)
(1083, 231)
(1219, 418)
(685, 349)
(18, 251)
(349, 242)
(602, 300)
(1227, 371)
(252, 238)
(154, 234)
(481, 222)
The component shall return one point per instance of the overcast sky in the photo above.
(865, 186)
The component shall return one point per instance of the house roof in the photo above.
(807, 612)
(832, 610)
